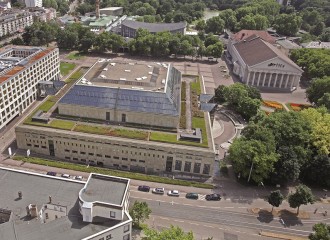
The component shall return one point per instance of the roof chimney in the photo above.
(97, 8)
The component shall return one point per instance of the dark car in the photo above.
(144, 188)
(51, 173)
(192, 195)
(213, 197)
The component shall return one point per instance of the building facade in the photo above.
(258, 63)
(21, 69)
(33, 3)
(115, 152)
(14, 22)
(129, 27)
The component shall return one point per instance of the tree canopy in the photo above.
(321, 232)
(275, 199)
(139, 212)
(302, 196)
(173, 233)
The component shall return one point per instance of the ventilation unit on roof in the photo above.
(138, 79)
(131, 64)
(122, 79)
(150, 73)
(127, 70)
(144, 77)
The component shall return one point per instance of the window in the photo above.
(67, 158)
(178, 165)
(126, 237)
(116, 157)
(206, 169)
(112, 214)
(126, 228)
(108, 237)
(91, 154)
(107, 156)
(99, 155)
(142, 161)
(125, 159)
(66, 150)
(83, 153)
(133, 160)
(123, 117)
(197, 168)
(73, 151)
(187, 166)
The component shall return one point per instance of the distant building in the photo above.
(43, 14)
(21, 69)
(319, 44)
(5, 6)
(112, 11)
(33, 3)
(14, 21)
(244, 34)
(129, 27)
(258, 63)
(286, 46)
(50, 207)
(97, 24)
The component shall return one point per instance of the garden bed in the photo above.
(65, 68)
(297, 106)
(273, 104)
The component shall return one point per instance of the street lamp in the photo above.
(250, 172)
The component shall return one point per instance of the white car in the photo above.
(65, 175)
(80, 178)
(158, 190)
(173, 193)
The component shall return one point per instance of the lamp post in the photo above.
(250, 172)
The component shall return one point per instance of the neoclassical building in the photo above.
(258, 63)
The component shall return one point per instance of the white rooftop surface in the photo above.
(36, 189)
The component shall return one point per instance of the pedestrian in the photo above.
(325, 196)
(325, 213)
(315, 210)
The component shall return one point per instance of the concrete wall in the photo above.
(116, 115)
(126, 154)
(100, 211)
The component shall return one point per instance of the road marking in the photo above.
(229, 207)
(194, 224)
(164, 218)
(178, 221)
(242, 207)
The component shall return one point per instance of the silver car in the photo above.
(158, 190)
(173, 193)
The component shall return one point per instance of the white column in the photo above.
(248, 77)
(263, 82)
(293, 80)
(270, 79)
(275, 80)
(287, 80)
(281, 80)
(259, 78)
(254, 74)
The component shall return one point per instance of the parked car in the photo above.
(173, 193)
(80, 178)
(64, 175)
(213, 197)
(144, 188)
(158, 190)
(192, 195)
(51, 173)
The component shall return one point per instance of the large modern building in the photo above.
(21, 69)
(37, 207)
(14, 21)
(129, 27)
(132, 111)
(258, 63)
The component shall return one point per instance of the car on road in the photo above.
(192, 195)
(80, 178)
(64, 175)
(173, 193)
(158, 190)
(144, 188)
(213, 197)
(51, 173)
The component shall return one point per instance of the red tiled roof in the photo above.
(243, 34)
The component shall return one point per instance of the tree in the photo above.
(318, 88)
(287, 24)
(247, 22)
(229, 17)
(275, 199)
(210, 40)
(173, 233)
(139, 212)
(321, 232)
(317, 171)
(252, 158)
(215, 50)
(17, 41)
(200, 25)
(318, 29)
(214, 25)
(324, 101)
(219, 95)
(302, 196)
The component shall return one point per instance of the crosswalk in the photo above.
(201, 197)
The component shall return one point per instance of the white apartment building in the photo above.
(14, 22)
(33, 3)
(21, 69)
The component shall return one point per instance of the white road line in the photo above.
(178, 221)
(229, 207)
(242, 207)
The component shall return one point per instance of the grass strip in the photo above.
(172, 138)
(131, 175)
(198, 122)
(92, 129)
(134, 134)
(183, 117)
(65, 68)
(74, 56)
(74, 76)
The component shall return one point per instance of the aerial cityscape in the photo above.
(164, 120)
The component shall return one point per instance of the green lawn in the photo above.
(48, 104)
(163, 137)
(65, 68)
(196, 86)
(74, 76)
(131, 175)
(183, 91)
(183, 117)
(198, 122)
(74, 56)
(61, 124)
(125, 133)
(92, 129)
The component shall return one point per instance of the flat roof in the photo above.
(105, 189)
(154, 27)
(129, 75)
(36, 189)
